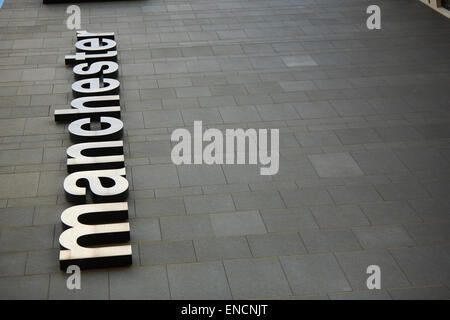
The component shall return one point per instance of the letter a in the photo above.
(374, 280)
(74, 281)
(374, 21)
(74, 20)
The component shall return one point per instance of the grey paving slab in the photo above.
(159, 207)
(222, 248)
(26, 238)
(353, 194)
(94, 285)
(329, 240)
(390, 213)
(283, 220)
(361, 295)
(24, 288)
(12, 263)
(238, 223)
(306, 197)
(209, 203)
(314, 274)
(429, 233)
(358, 136)
(378, 162)
(16, 217)
(431, 209)
(383, 237)
(139, 283)
(275, 244)
(155, 176)
(258, 200)
(335, 165)
(42, 261)
(402, 191)
(200, 174)
(198, 281)
(186, 227)
(426, 293)
(355, 266)
(424, 265)
(364, 156)
(339, 216)
(256, 278)
(164, 252)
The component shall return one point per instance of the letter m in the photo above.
(91, 234)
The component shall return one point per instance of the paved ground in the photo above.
(364, 175)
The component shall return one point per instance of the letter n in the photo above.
(91, 232)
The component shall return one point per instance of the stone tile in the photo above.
(162, 118)
(42, 261)
(317, 273)
(424, 265)
(145, 229)
(320, 138)
(378, 162)
(157, 252)
(235, 224)
(306, 197)
(239, 114)
(222, 248)
(209, 203)
(284, 220)
(258, 200)
(339, 216)
(390, 213)
(402, 191)
(256, 278)
(275, 244)
(139, 283)
(329, 240)
(198, 281)
(427, 293)
(358, 136)
(335, 165)
(208, 116)
(433, 233)
(159, 207)
(94, 285)
(154, 176)
(12, 264)
(391, 134)
(24, 288)
(317, 109)
(200, 174)
(353, 194)
(355, 266)
(19, 185)
(11, 127)
(16, 217)
(431, 209)
(245, 173)
(186, 227)
(421, 159)
(271, 112)
(361, 295)
(383, 237)
(299, 61)
(352, 107)
(26, 238)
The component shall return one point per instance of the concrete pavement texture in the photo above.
(364, 119)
